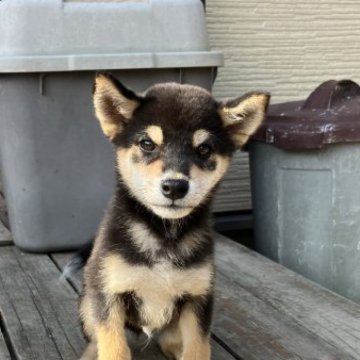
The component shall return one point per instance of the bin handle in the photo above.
(331, 94)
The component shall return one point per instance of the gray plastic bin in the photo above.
(56, 165)
(305, 173)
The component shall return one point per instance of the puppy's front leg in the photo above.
(111, 337)
(194, 326)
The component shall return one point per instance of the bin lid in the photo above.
(65, 35)
(331, 114)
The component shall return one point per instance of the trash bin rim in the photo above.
(121, 61)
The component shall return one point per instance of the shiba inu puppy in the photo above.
(152, 267)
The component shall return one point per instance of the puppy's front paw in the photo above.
(90, 352)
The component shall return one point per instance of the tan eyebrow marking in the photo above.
(155, 133)
(199, 137)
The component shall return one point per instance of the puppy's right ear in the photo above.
(114, 104)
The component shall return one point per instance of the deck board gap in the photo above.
(6, 336)
(226, 347)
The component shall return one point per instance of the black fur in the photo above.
(204, 310)
(117, 238)
(79, 260)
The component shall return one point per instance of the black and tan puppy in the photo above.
(152, 265)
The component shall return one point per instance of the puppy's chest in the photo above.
(158, 287)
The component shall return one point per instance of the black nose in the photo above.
(175, 189)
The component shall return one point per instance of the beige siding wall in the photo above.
(286, 47)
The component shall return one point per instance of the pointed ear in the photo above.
(114, 104)
(242, 116)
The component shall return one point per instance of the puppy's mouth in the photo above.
(172, 206)
(171, 211)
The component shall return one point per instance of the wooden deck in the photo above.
(263, 311)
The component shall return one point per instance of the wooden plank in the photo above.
(270, 307)
(38, 312)
(218, 352)
(256, 331)
(4, 352)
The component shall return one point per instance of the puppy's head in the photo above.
(174, 143)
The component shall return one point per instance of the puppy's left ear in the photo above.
(242, 116)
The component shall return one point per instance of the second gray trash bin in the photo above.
(57, 168)
(305, 176)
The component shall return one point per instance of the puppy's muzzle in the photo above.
(174, 189)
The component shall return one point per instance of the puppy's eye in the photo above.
(147, 145)
(204, 150)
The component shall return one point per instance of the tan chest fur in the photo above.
(158, 286)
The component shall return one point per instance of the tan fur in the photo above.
(143, 238)
(170, 341)
(124, 159)
(132, 172)
(107, 339)
(154, 170)
(87, 316)
(141, 177)
(118, 277)
(191, 242)
(155, 133)
(240, 139)
(184, 340)
(111, 337)
(104, 88)
(110, 130)
(195, 345)
(199, 137)
(237, 116)
(206, 180)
